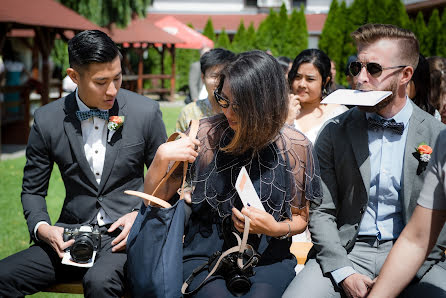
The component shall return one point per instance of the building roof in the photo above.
(141, 30)
(315, 22)
(193, 39)
(46, 13)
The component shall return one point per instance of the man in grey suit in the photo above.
(372, 174)
(99, 156)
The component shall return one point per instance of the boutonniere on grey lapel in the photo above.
(423, 154)
(114, 123)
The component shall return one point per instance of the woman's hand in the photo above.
(293, 108)
(184, 149)
(261, 222)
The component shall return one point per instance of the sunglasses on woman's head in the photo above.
(224, 102)
(374, 69)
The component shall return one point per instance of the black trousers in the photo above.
(33, 269)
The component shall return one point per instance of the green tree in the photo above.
(359, 14)
(297, 38)
(396, 14)
(332, 37)
(281, 32)
(239, 42)
(59, 55)
(104, 13)
(434, 30)
(377, 11)
(265, 32)
(420, 30)
(250, 37)
(441, 40)
(209, 30)
(223, 40)
(328, 31)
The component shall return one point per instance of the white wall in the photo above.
(195, 6)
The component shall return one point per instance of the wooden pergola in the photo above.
(47, 18)
(139, 36)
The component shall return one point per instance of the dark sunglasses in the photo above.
(374, 69)
(224, 102)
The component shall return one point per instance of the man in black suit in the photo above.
(97, 161)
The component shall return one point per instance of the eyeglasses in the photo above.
(224, 102)
(374, 69)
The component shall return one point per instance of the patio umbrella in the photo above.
(194, 39)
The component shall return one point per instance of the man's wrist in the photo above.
(339, 275)
(37, 227)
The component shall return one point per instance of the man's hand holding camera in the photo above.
(52, 235)
(126, 222)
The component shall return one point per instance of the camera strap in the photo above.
(240, 248)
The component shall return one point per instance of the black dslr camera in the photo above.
(87, 239)
(237, 279)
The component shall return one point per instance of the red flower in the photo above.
(116, 119)
(424, 149)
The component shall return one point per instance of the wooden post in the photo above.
(45, 39)
(172, 78)
(140, 71)
(162, 65)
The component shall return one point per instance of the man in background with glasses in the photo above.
(372, 175)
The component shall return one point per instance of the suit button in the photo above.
(100, 199)
(96, 127)
(356, 226)
(362, 210)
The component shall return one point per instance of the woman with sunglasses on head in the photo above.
(250, 132)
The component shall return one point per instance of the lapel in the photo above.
(73, 131)
(357, 132)
(112, 147)
(417, 131)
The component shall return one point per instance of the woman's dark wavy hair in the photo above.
(259, 88)
(421, 80)
(320, 60)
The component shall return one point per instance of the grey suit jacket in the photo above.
(56, 137)
(343, 153)
(195, 82)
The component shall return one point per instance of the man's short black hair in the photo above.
(91, 46)
(215, 57)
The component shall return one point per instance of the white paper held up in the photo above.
(356, 97)
(246, 190)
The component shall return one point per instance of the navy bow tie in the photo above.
(84, 115)
(396, 127)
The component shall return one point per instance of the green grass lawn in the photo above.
(14, 235)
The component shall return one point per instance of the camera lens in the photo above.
(82, 249)
(238, 285)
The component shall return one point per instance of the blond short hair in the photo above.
(409, 48)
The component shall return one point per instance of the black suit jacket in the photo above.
(56, 137)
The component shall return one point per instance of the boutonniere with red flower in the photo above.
(114, 123)
(423, 154)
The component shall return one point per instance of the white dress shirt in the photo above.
(94, 135)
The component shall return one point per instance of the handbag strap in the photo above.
(152, 198)
(240, 248)
(192, 134)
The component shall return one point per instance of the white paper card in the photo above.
(67, 260)
(356, 97)
(246, 190)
